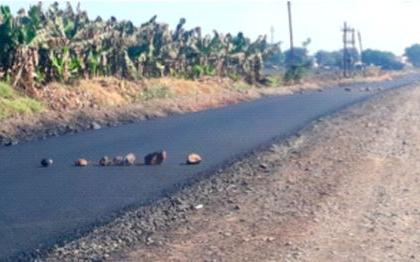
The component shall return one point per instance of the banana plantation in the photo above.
(62, 44)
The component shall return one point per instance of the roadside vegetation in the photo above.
(12, 103)
(413, 54)
(157, 91)
(44, 45)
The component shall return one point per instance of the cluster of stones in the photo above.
(128, 160)
(155, 158)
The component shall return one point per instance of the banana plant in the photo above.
(93, 63)
(60, 62)
(59, 44)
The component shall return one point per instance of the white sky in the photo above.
(385, 24)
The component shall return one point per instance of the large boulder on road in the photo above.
(47, 162)
(105, 161)
(130, 159)
(81, 162)
(156, 158)
(193, 159)
(118, 161)
(95, 126)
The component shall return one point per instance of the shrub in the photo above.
(12, 103)
(241, 86)
(6, 91)
(273, 80)
(156, 92)
(294, 74)
(413, 54)
(197, 72)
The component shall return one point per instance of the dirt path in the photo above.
(346, 190)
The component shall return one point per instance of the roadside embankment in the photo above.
(90, 104)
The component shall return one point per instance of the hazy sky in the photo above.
(384, 24)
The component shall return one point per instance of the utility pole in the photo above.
(359, 35)
(363, 68)
(272, 34)
(292, 51)
(345, 54)
(348, 39)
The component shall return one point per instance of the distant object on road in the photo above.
(130, 159)
(118, 161)
(105, 161)
(81, 162)
(193, 159)
(47, 162)
(156, 158)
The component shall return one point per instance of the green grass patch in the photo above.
(274, 80)
(155, 92)
(6, 91)
(241, 86)
(12, 103)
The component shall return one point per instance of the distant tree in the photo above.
(353, 55)
(328, 59)
(297, 63)
(335, 58)
(386, 60)
(300, 57)
(276, 58)
(413, 54)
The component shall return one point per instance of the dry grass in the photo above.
(110, 91)
(182, 87)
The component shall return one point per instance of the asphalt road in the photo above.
(39, 206)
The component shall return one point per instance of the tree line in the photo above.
(334, 59)
(61, 44)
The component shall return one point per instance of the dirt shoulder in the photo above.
(103, 102)
(348, 190)
(345, 189)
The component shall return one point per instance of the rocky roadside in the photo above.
(345, 189)
(75, 109)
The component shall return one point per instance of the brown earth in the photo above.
(347, 189)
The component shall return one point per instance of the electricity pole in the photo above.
(348, 39)
(272, 34)
(292, 51)
(360, 45)
(363, 68)
(345, 55)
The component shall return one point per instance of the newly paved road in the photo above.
(38, 206)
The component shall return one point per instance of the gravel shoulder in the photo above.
(345, 189)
